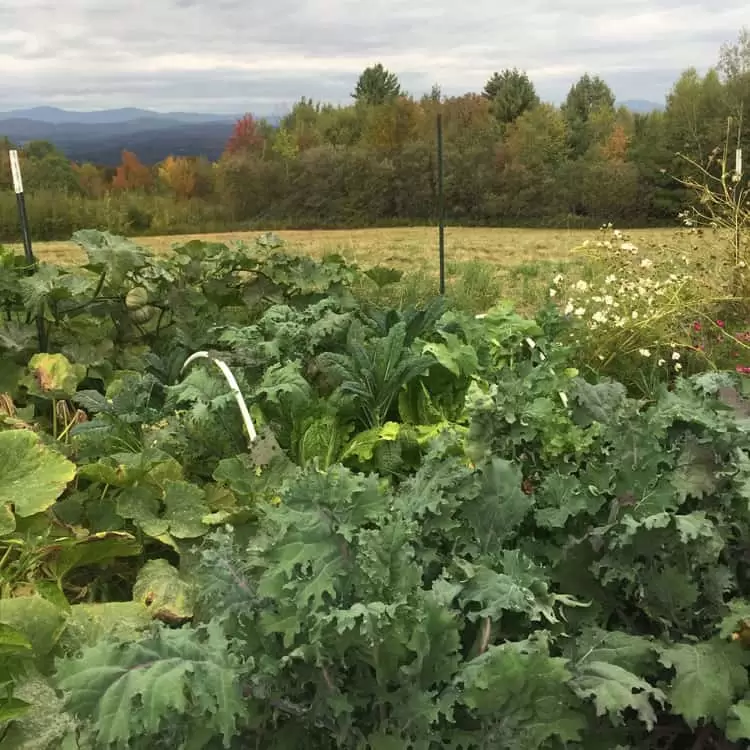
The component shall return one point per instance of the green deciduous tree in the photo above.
(696, 114)
(734, 67)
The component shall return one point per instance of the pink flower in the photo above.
(696, 326)
(742, 369)
(720, 323)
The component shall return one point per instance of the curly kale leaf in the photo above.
(130, 690)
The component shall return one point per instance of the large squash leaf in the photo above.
(32, 476)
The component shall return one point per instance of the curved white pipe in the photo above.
(233, 386)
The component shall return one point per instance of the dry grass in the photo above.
(406, 248)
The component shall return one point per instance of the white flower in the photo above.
(678, 367)
(634, 315)
(617, 233)
(610, 279)
(675, 356)
(552, 292)
(568, 308)
(581, 286)
(599, 317)
(579, 312)
(530, 342)
(558, 279)
(646, 263)
(629, 246)
(661, 363)
(644, 352)
(609, 300)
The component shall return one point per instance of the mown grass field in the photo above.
(482, 264)
(407, 248)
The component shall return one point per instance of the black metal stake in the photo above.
(15, 169)
(441, 203)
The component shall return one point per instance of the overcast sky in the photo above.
(230, 56)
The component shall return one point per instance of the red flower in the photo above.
(720, 323)
(742, 369)
(696, 326)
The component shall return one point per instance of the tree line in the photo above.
(510, 159)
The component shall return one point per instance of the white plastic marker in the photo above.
(15, 169)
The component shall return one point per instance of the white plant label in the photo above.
(15, 169)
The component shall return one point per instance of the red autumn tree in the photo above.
(246, 137)
(131, 174)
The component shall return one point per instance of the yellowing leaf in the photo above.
(32, 476)
(55, 375)
(166, 595)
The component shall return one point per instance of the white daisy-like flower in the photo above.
(678, 367)
(675, 356)
(579, 312)
(581, 286)
(644, 352)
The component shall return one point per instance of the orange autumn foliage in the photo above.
(131, 174)
(179, 175)
(615, 148)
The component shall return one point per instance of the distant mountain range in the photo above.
(641, 106)
(56, 116)
(101, 136)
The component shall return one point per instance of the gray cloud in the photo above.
(235, 55)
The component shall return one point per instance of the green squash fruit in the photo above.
(136, 298)
(143, 314)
